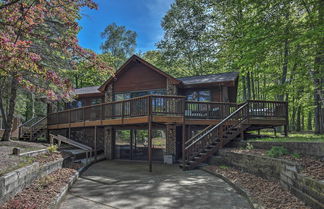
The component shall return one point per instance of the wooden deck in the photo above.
(165, 110)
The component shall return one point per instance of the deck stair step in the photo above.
(223, 132)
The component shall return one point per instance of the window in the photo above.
(199, 95)
(95, 101)
(128, 95)
(122, 96)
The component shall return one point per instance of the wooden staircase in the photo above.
(88, 150)
(33, 128)
(206, 143)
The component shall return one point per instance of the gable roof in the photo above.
(212, 78)
(137, 58)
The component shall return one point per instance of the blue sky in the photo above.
(142, 16)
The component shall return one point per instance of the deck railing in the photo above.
(166, 106)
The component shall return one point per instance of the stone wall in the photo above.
(307, 189)
(171, 140)
(287, 172)
(15, 181)
(308, 148)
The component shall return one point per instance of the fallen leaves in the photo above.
(268, 193)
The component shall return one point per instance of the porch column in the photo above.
(109, 93)
(171, 139)
(109, 138)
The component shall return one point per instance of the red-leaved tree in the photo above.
(38, 41)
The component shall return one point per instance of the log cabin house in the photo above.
(195, 115)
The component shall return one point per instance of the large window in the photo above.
(128, 95)
(198, 95)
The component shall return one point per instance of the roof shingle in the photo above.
(212, 78)
(87, 90)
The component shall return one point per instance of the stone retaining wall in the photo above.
(308, 148)
(287, 172)
(15, 181)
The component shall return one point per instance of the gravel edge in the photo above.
(253, 203)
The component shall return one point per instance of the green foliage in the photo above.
(295, 137)
(52, 148)
(249, 146)
(120, 42)
(45, 181)
(277, 151)
(88, 75)
(223, 166)
(42, 139)
(276, 45)
(189, 39)
(296, 155)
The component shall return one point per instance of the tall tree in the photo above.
(38, 39)
(119, 42)
(188, 36)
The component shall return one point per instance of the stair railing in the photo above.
(32, 125)
(199, 142)
(64, 139)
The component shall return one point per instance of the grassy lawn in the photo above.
(292, 137)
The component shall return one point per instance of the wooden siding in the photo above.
(139, 77)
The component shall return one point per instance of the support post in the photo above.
(183, 144)
(95, 142)
(150, 133)
(131, 135)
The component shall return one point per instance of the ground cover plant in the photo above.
(292, 137)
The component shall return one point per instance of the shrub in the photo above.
(295, 155)
(249, 146)
(223, 166)
(42, 139)
(52, 148)
(277, 151)
(45, 181)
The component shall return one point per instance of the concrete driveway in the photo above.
(119, 184)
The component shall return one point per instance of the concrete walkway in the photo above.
(119, 184)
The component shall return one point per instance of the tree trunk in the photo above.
(309, 121)
(244, 88)
(318, 80)
(11, 110)
(252, 86)
(248, 82)
(298, 119)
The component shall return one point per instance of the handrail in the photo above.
(64, 139)
(165, 105)
(217, 125)
(39, 121)
(198, 134)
